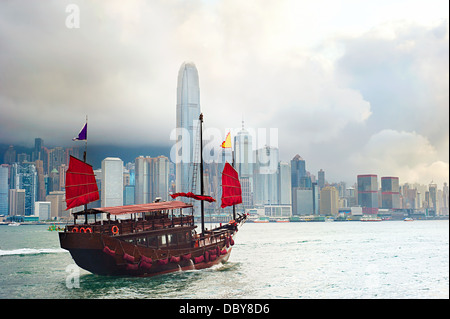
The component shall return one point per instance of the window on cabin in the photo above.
(152, 241)
(162, 241)
(142, 241)
(172, 239)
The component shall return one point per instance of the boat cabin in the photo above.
(159, 225)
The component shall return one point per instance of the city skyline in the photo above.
(146, 179)
(359, 88)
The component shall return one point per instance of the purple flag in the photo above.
(82, 136)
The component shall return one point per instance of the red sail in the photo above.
(231, 187)
(81, 187)
(192, 195)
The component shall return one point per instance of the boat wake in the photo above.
(31, 251)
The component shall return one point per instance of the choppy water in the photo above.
(274, 260)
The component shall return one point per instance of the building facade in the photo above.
(4, 187)
(188, 112)
(112, 182)
(329, 201)
(390, 193)
(368, 193)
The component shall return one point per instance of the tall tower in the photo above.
(368, 193)
(188, 112)
(112, 182)
(390, 195)
(298, 171)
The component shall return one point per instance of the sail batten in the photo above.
(231, 187)
(81, 187)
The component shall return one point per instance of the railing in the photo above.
(131, 226)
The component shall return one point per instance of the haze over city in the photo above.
(353, 87)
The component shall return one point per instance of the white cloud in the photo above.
(408, 155)
(329, 75)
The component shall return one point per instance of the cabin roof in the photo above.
(141, 208)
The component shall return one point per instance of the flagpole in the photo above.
(85, 142)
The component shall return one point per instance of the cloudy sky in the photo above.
(352, 86)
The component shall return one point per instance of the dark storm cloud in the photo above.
(337, 83)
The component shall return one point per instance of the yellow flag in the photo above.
(227, 142)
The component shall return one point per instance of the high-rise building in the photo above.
(188, 112)
(329, 201)
(321, 177)
(4, 186)
(151, 179)
(284, 182)
(38, 152)
(266, 176)
(10, 155)
(368, 193)
(17, 202)
(243, 149)
(58, 204)
(43, 210)
(298, 171)
(244, 164)
(445, 199)
(40, 180)
(142, 184)
(24, 176)
(302, 201)
(390, 193)
(433, 202)
(56, 157)
(160, 178)
(112, 182)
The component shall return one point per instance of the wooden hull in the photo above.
(89, 252)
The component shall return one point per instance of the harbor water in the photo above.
(351, 260)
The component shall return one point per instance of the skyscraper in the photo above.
(433, 202)
(266, 176)
(390, 192)
(368, 193)
(244, 161)
(284, 182)
(329, 198)
(112, 182)
(17, 202)
(142, 183)
(445, 199)
(24, 176)
(152, 179)
(321, 177)
(160, 178)
(4, 172)
(243, 142)
(298, 170)
(188, 112)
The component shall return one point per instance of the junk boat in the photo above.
(146, 239)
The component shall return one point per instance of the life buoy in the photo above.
(115, 230)
(82, 230)
(75, 230)
(88, 230)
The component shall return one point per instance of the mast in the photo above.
(84, 159)
(202, 212)
(232, 160)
